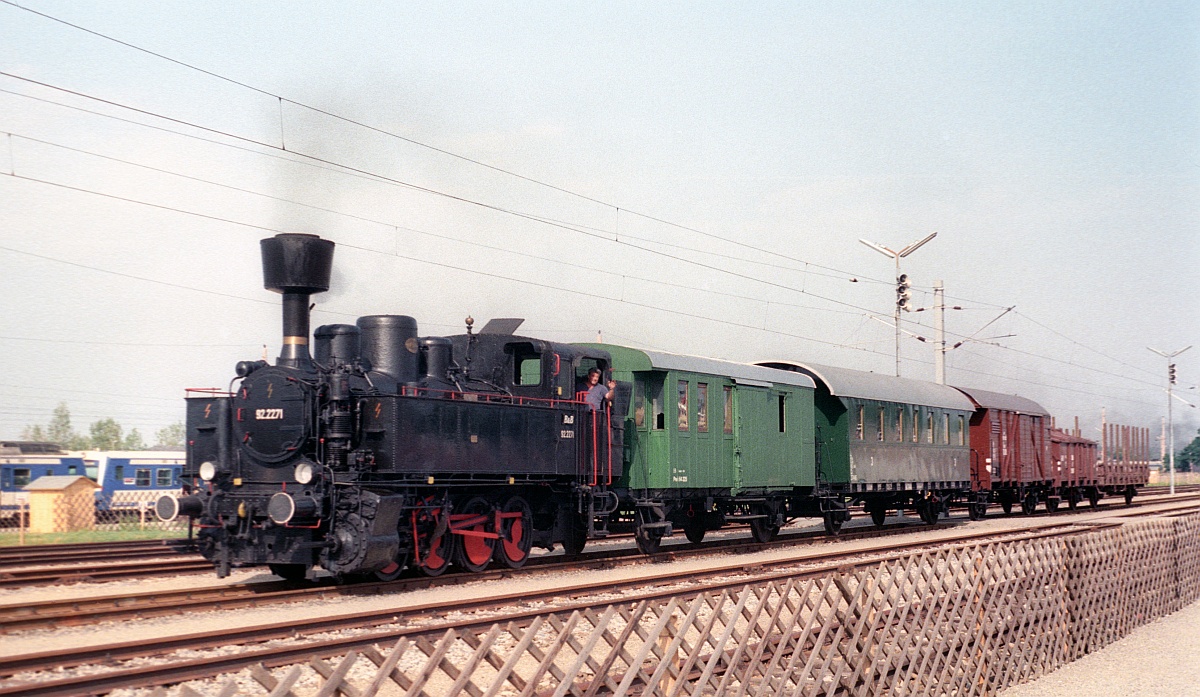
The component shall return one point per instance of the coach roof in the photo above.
(745, 373)
(857, 384)
(1003, 402)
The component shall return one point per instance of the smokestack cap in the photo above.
(297, 263)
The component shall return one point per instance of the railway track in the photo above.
(93, 563)
(389, 625)
(93, 551)
(126, 606)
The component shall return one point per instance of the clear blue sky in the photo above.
(1054, 147)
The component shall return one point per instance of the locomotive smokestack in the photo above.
(296, 265)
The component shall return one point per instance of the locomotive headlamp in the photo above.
(208, 471)
(305, 472)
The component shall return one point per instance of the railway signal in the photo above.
(903, 293)
(897, 256)
(1170, 396)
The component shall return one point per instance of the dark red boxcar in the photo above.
(1010, 450)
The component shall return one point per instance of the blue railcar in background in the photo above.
(21, 462)
(133, 480)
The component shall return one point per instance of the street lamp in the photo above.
(902, 292)
(1170, 398)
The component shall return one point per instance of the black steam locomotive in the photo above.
(385, 450)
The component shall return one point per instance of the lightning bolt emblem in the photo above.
(270, 389)
(378, 408)
(207, 410)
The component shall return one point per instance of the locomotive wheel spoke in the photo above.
(474, 552)
(432, 551)
(392, 571)
(516, 533)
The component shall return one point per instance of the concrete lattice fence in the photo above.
(959, 621)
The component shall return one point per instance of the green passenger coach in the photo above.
(891, 442)
(708, 442)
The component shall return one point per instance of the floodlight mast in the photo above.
(1170, 411)
(887, 252)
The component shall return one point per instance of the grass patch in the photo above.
(11, 538)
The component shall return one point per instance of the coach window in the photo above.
(916, 424)
(862, 412)
(701, 407)
(639, 403)
(899, 424)
(72, 469)
(945, 429)
(21, 476)
(658, 408)
(882, 412)
(928, 427)
(119, 474)
(782, 413)
(142, 477)
(683, 405)
(962, 430)
(163, 477)
(728, 426)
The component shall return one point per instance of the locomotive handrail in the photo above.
(207, 391)
(487, 397)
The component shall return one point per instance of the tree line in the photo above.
(1188, 459)
(105, 434)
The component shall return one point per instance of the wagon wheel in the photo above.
(1029, 504)
(763, 530)
(695, 528)
(647, 542)
(878, 515)
(928, 511)
(1129, 496)
(833, 522)
(516, 533)
(1073, 499)
(1051, 504)
(1006, 506)
(473, 551)
(1093, 498)
(977, 510)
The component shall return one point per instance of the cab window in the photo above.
(527, 365)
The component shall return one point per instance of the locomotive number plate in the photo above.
(268, 414)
